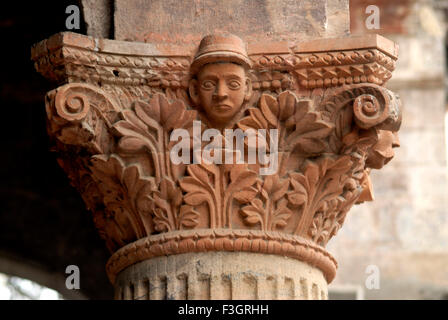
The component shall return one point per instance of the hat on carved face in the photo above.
(220, 48)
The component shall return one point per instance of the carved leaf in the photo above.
(287, 102)
(168, 213)
(201, 188)
(253, 214)
(148, 126)
(270, 109)
(279, 189)
(188, 217)
(161, 220)
(241, 187)
(195, 198)
(281, 215)
(190, 184)
(241, 178)
(125, 189)
(318, 189)
(245, 195)
(297, 124)
(310, 130)
(299, 196)
(271, 210)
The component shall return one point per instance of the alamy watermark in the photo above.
(373, 280)
(72, 282)
(216, 153)
(73, 21)
(373, 20)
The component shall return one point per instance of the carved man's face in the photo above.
(221, 89)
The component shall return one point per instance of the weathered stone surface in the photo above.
(221, 276)
(98, 17)
(186, 22)
(420, 67)
(338, 18)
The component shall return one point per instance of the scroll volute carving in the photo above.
(149, 160)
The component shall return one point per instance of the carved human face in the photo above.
(221, 89)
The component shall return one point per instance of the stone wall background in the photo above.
(404, 232)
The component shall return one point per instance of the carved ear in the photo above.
(248, 94)
(193, 90)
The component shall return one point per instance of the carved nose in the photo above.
(220, 92)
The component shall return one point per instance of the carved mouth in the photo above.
(223, 107)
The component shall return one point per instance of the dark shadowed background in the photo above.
(44, 226)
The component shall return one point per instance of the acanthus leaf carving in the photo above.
(298, 125)
(310, 130)
(126, 194)
(270, 208)
(169, 214)
(218, 186)
(149, 125)
(320, 184)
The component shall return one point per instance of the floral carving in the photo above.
(298, 125)
(169, 215)
(318, 188)
(270, 210)
(126, 194)
(218, 186)
(148, 126)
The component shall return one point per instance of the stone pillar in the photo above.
(139, 129)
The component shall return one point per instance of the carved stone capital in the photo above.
(118, 104)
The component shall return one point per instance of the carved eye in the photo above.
(234, 84)
(208, 85)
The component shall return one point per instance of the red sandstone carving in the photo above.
(112, 120)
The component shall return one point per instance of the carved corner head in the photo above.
(219, 82)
